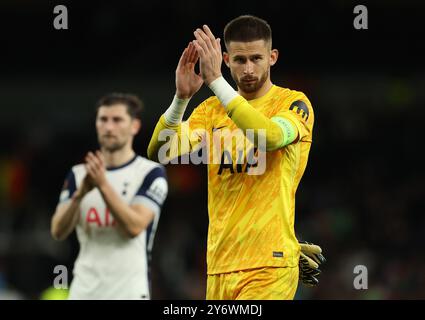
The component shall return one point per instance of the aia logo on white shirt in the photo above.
(93, 216)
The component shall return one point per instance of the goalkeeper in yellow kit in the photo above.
(256, 141)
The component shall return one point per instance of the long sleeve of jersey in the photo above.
(279, 131)
(168, 138)
(171, 141)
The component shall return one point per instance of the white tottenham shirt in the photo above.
(110, 265)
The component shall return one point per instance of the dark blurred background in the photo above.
(361, 197)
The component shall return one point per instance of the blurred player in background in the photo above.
(253, 252)
(114, 201)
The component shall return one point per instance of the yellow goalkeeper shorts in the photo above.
(269, 283)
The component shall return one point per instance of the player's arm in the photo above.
(169, 140)
(132, 219)
(169, 129)
(279, 131)
(67, 212)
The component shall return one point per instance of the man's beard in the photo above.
(111, 146)
(251, 87)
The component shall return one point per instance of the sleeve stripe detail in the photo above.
(69, 187)
(150, 177)
(147, 202)
(153, 185)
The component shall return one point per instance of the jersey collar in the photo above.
(123, 165)
(260, 100)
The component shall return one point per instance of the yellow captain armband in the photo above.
(289, 130)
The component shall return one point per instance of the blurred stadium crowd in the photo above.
(361, 198)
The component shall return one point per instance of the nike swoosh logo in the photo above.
(215, 129)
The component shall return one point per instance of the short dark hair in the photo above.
(247, 28)
(132, 102)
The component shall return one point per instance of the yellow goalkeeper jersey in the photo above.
(251, 216)
(251, 193)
